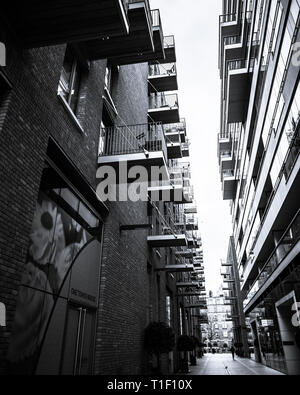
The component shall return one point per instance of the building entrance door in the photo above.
(77, 358)
(284, 311)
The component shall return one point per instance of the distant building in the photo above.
(218, 333)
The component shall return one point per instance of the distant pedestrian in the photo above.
(232, 352)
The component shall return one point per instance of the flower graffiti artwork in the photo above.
(55, 240)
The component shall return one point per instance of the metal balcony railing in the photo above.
(173, 128)
(285, 245)
(226, 18)
(186, 145)
(156, 20)
(231, 40)
(169, 42)
(163, 70)
(160, 101)
(124, 140)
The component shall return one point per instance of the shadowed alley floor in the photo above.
(222, 364)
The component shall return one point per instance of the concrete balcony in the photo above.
(136, 145)
(224, 144)
(190, 210)
(229, 186)
(163, 108)
(44, 23)
(169, 193)
(162, 77)
(174, 144)
(187, 222)
(229, 25)
(176, 269)
(176, 128)
(169, 47)
(227, 162)
(155, 55)
(166, 241)
(234, 49)
(186, 149)
(126, 48)
(238, 91)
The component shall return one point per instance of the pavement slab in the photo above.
(224, 365)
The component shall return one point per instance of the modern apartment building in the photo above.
(258, 149)
(81, 277)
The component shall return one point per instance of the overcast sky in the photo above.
(195, 25)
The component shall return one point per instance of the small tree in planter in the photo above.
(159, 339)
(184, 344)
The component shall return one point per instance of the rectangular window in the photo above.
(69, 83)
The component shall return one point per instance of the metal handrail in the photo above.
(163, 101)
(122, 140)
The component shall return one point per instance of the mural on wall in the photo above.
(55, 240)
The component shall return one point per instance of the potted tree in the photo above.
(159, 339)
(185, 344)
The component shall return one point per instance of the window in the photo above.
(69, 84)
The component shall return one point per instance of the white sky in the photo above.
(195, 25)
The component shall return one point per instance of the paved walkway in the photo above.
(222, 364)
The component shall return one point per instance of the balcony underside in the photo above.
(167, 241)
(164, 115)
(190, 210)
(185, 152)
(193, 243)
(225, 144)
(43, 23)
(177, 269)
(163, 83)
(239, 85)
(168, 194)
(230, 29)
(234, 52)
(153, 56)
(191, 226)
(170, 55)
(227, 164)
(174, 150)
(229, 188)
(137, 159)
(189, 284)
(138, 41)
(185, 254)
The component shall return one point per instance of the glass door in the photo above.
(77, 355)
